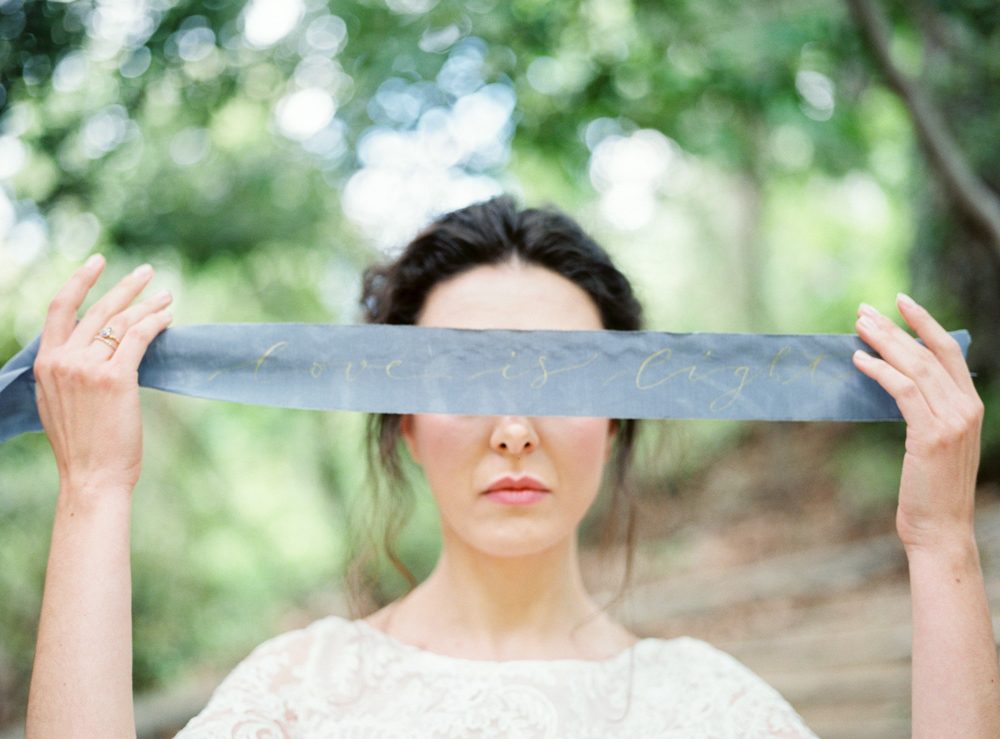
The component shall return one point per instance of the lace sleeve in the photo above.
(757, 710)
(254, 701)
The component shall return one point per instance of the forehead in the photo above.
(511, 295)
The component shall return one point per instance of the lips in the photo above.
(510, 490)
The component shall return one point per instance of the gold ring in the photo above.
(107, 335)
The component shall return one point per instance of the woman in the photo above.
(501, 640)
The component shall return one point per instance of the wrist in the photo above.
(91, 491)
(957, 551)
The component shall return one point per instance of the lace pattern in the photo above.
(340, 679)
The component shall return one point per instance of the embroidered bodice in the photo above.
(340, 679)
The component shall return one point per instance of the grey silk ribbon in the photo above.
(413, 369)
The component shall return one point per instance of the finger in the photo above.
(137, 338)
(904, 391)
(917, 362)
(121, 323)
(114, 301)
(945, 347)
(61, 317)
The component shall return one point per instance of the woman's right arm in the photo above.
(88, 400)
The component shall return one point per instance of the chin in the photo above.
(516, 539)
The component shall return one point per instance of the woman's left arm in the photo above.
(956, 682)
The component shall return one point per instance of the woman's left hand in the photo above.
(933, 389)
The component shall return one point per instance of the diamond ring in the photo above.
(107, 335)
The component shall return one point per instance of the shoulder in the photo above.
(323, 629)
(695, 663)
(691, 655)
(261, 689)
(684, 650)
(284, 660)
(298, 645)
(710, 680)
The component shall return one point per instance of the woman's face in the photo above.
(464, 456)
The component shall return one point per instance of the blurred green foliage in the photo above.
(742, 161)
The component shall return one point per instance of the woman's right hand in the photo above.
(88, 393)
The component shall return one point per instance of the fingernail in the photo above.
(93, 260)
(863, 356)
(868, 310)
(867, 323)
(162, 294)
(143, 270)
(906, 300)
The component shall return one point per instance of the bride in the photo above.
(502, 639)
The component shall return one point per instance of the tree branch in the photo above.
(966, 191)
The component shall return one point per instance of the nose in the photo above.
(514, 435)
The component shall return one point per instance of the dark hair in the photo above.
(488, 233)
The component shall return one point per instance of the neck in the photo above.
(498, 607)
(538, 592)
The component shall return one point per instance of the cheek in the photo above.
(579, 448)
(449, 447)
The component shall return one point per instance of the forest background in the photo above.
(760, 166)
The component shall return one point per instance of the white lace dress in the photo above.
(340, 679)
